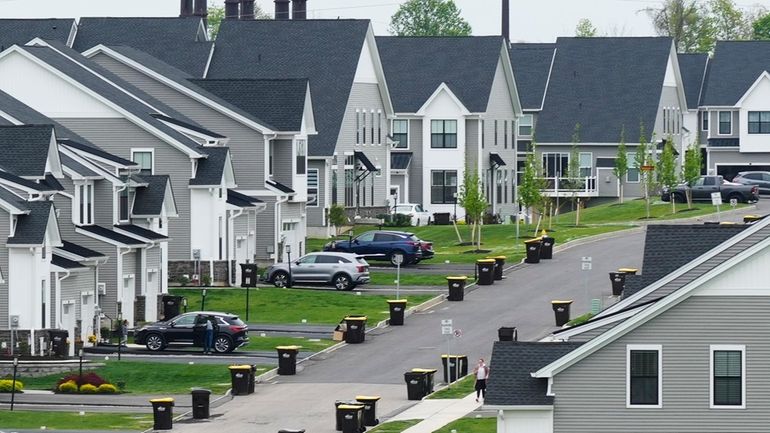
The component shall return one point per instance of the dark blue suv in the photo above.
(396, 247)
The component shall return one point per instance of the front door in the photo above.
(68, 323)
(555, 164)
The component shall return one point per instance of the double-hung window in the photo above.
(83, 213)
(312, 187)
(728, 376)
(123, 204)
(644, 376)
(143, 157)
(443, 134)
(301, 146)
(586, 164)
(525, 125)
(401, 133)
(725, 122)
(443, 186)
(704, 120)
(759, 122)
(632, 176)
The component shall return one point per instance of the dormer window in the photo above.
(143, 157)
(83, 205)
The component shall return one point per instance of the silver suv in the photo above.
(344, 271)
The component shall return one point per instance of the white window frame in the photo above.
(521, 123)
(631, 158)
(270, 159)
(647, 347)
(590, 167)
(727, 347)
(719, 121)
(317, 186)
(704, 116)
(76, 214)
(150, 150)
(408, 135)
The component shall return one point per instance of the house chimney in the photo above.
(299, 9)
(247, 10)
(186, 9)
(201, 8)
(506, 20)
(231, 9)
(282, 9)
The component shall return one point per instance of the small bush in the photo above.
(183, 280)
(206, 280)
(398, 220)
(68, 387)
(88, 378)
(8, 385)
(88, 389)
(107, 388)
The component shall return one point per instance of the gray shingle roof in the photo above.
(603, 84)
(30, 229)
(65, 263)
(692, 66)
(531, 65)
(416, 66)
(95, 151)
(24, 149)
(211, 169)
(76, 166)
(149, 200)
(79, 251)
(173, 40)
(279, 103)
(236, 198)
(735, 66)
(115, 237)
(189, 126)
(13, 199)
(510, 382)
(41, 187)
(141, 232)
(325, 51)
(20, 31)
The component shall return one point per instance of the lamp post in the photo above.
(13, 384)
(288, 255)
(454, 215)
(203, 300)
(80, 374)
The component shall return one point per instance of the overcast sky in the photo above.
(531, 20)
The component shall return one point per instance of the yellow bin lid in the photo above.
(368, 397)
(458, 278)
(628, 270)
(355, 318)
(239, 367)
(424, 370)
(350, 406)
(396, 301)
(453, 356)
(529, 241)
(498, 257)
(288, 347)
(562, 302)
(727, 223)
(485, 261)
(162, 400)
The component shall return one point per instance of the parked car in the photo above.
(759, 178)
(342, 270)
(189, 329)
(703, 187)
(396, 247)
(419, 216)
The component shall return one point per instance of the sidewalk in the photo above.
(437, 413)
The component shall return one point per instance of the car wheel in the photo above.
(397, 257)
(154, 342)
(738, 198)
(342, 282)
(280, 279)
(223, 344)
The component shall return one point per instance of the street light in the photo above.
(288, 255)
(454, 194)
(13, 384)
(80, 375)
(203, 300)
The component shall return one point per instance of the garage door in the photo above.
(729, 171)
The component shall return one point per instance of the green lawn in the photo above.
(459, 389)
(273, 305)
(269, 343)
(634, 211)
(394, 426)
(152, 377)
(470, 425)
(20, 419)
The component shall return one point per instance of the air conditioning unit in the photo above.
(196, 253)
(101, 288)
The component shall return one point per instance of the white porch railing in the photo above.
(567, 187)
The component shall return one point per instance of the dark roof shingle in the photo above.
(24, 149)
(80, 251)
(149, 200)
(735, 66)
(531, 66)
(210, 170)
(692, 66)
(30, 228)
(65, 263)
(20, 31)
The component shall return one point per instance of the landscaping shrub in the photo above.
(107, 388)
(68, 387)
(492, 219)
(88, 389)
(396, 220)
(88, 378)
(6, 385)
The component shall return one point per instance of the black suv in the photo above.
(190, 329)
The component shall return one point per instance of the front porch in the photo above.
(569, 187)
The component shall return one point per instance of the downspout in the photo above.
(278, 225)
(230, 236)
(57, 296)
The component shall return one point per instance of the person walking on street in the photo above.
(481, 371)
(124, 333)
(208, 339)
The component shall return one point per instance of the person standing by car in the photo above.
(208, 338)
(124, 333)
(482, 373)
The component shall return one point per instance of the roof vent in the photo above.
(282, 9)
(231, 9)
(186, 8)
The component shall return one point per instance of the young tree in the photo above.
(573, 172)
(641, 160)
(761, 28)
(691, 171)
(667, 170)
(472, 199)
(687, 22)
(429, 18)
(337, 217)
(585, 29)
(621, 162)
(530, 189)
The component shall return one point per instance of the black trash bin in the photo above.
(287, 360)
(546, 247)
(338, 413)
(533, 250)
(370, 409)
(58, 339)
(561, 311)
(429, 378)
(618, 280)
(485, 269)
(356, 332)
(162, 413)
(415, 385)
(171, 306)
(507, 333)
(240, 375)
(499, 266)
(253, 379)
(291, 430)
(200, 403)
(397, 309)
(352, 417)
(456, 288)
(748, 219)
(455, 367)
(442, 218)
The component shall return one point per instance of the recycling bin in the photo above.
(415, 385)
(171, 306)
(356, 332)
(499, 266)
(485, 269)
(370, 409)
(201, 403)
(58, 339)
(429, 380)
(442, 218)
(456, 288)
(162, 413)
(507, 333)
(240, 375)
(546, 247)
(287, 360)
(561, 311)
(618, 280)
(455, 367)
(338, 413)
(253, 379)
(397, 309)
(628, 271)
(291, 430)
(533, 250)
(352, 418)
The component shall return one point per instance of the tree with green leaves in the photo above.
(729, 22)
(429, 18)
(217, 15)
(585, 29)
(337, 217)
(687, 22)
(667, 170)
(573, 172)
(472, 199)
(532, 184)
(761, 28)
(691, 170)
(621, 162)
(641, 161)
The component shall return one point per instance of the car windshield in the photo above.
(414, 238)
(402, 208)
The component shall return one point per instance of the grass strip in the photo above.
(21, 419)
(394, 426)
(459, 389)
(470, 425)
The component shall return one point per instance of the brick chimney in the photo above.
(506, 20)
(247, 9)
(186, 8)
(231, 9)
(299, 9)
(282, 9)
